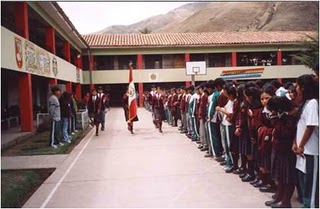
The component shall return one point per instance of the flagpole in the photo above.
(130, 78)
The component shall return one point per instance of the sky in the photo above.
(89, 17)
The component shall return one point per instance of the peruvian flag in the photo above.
(132, 96)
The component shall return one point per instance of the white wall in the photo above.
(178, 75)
(66, 71)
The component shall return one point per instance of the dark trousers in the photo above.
(55, 132)
(216, 139)
(309, 182)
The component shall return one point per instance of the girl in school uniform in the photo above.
(306, 145)
(242, 130)
(265, 128)
(283, 160)
(252, 96)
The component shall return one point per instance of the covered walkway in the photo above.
(147, 169)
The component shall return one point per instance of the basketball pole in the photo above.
(193, 80)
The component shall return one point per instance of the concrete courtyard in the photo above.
(147, 169)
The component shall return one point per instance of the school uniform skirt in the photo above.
(244, 142)
(264, 157)
(283, 167)
(158, 113)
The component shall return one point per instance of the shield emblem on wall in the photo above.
(18, 50)
(54, 66)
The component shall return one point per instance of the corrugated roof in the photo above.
(193, 39)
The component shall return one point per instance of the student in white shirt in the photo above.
(229, 129)
(306, 145)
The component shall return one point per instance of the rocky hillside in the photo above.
(229, 16)
(172, 18)
(251, 16)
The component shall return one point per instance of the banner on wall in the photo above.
(37, 59)
(18, 50)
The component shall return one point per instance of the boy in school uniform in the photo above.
(54, 117)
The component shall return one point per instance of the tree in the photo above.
(145, 31)
(310, 56)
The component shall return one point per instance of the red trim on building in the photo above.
(187, 59)
(21, 19)
(279, 61)
(234, 59)
(25, 100)
(78, 91)
(53, 81)
(91, 69)
(69, 86)
(67, 53)
(140, 66)
(279, 57)
(51, 40)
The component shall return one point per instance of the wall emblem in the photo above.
(153, 77)
(54, 66)
(18, 50)
(78, 75)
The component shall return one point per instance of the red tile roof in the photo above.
(193, 39)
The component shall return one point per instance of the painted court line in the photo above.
(44, 204)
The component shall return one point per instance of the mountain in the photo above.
(172, 18)
(229, 16)
(250, 16)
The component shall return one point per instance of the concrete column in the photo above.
(68, 87)
(91, 69)
(187, 59)
(140, 66)
(50, 39)
(53, 81)
(25, 100)
(234, 59)
(21, 19)
(67, 54)
(78, 91)
(279, 61)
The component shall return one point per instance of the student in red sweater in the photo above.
(283, 159)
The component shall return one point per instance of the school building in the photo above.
(41, 47)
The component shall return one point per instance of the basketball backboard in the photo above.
(196, 68)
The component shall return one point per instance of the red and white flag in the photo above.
(132, 96)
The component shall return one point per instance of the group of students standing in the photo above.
(267, 133)
(62, 115)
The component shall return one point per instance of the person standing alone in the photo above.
(54, 117)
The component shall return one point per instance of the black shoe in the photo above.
(242, 175)
(102, 128)
(183, 132)
(200, 147)
(259, 184)
(208, 155)
(268, 189)
(247, 178)
(160, 130)
(274, 196)
(204, 149)
(271, 202)
(254, 181)
(219, 159)
(97, 134)
(223, 163)
(239, 171)
(281, 205)
(229, 170)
